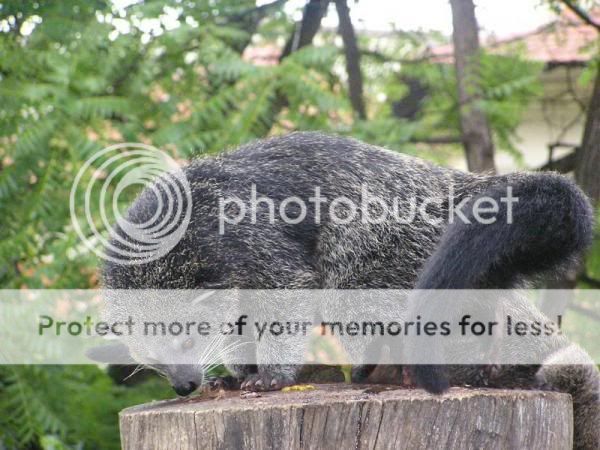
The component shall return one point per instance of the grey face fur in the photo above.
(554, 228)
(170, 331)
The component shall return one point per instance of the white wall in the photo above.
(557, 116)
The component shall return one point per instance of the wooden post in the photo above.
(341, 416)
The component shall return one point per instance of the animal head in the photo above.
(177, 333)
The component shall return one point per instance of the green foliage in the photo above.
(59, 408)
(508, 84)
(185, 89)
(71, 84)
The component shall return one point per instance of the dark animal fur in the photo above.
(552, 227)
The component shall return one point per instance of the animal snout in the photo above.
(185, 388)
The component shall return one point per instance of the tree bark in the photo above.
(305, 31)
(352, 54)
(358, 417)
(586, 161)
(476, 134)
(409, 106)
(249, 20)
(303, 35)
(587, 168)
(582, 14)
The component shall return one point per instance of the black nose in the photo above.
(185, 388)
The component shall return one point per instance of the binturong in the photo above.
(424, 227)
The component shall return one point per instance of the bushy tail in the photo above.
(547, 225)
(550, 222)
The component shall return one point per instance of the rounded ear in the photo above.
(116, 353)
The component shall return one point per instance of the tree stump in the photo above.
(342, 416)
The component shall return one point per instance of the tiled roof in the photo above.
(267, 55)
(567, 40)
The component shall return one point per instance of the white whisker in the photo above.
(227, 350)
(137, 369)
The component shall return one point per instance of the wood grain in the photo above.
(341, 416)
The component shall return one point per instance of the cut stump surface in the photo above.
(342, 416)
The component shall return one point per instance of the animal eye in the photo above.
(187, 344)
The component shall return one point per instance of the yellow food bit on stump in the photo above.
(298, 387)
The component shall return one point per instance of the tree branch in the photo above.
(475, 128)
(565, 164)
(302, 35)
(588, 159)
(259, 11)
(382, 57)
(581, 14)
(305, 31)
(249, 19)
(352, 54)
(437, 140)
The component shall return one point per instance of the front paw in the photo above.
(258, 382)
(227, 383)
